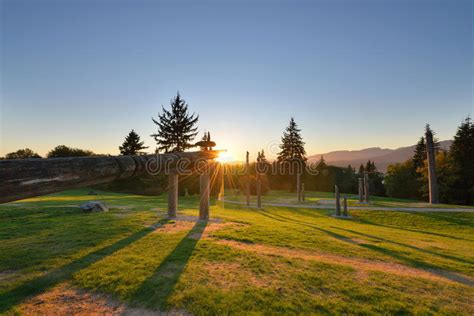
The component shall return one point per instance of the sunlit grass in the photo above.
(48, 240)
(321, 198)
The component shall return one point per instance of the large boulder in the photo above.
(94, 206)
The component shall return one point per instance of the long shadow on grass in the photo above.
(364, 221)
(410, 261)
(459, 220)
(155, 290)
(454, 258)
(40, 284)
(282, 218)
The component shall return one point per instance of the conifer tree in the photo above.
(292, 145)
(176, 127)
(462, 161)
(322, 163)
(361, 169)
(132, 144)
(419, 155)
(370, 167)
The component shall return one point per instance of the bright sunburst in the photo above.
(224, 157)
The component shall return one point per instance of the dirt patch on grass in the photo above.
(358, 264)
(229, 276)
(187, 223)
(175, 226)
(65, 300)
(214, 227)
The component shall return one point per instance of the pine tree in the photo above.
(419, 155)
(321, 163)
(292, 146)
(370, 167)
(176, 127)
(462, 160)
(132, 144)
(361, 169)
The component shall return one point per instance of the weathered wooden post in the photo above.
(344, 212)
(222, 189)
(259, 190)
(338, 201)
(204, 198)
(302, 192)
(172, 195)
(366, 187)
(361, 190)
(247, 180)
(298, 185)
(432, 180)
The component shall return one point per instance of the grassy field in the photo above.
(269, 261)
(312, 197)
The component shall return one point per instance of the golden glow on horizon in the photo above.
(224, 157)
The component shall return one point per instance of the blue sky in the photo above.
(354, 74)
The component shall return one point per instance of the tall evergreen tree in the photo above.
(176, 127)
(419, 154)
(292, 145)
(361, 169)
(321, 163)
(370, 167)
(462, 161)
(132, 144)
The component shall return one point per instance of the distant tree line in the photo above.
(60, 151)
(454, 169)
(177, 129)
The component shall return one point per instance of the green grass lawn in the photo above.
(312, 197)
(269, 261)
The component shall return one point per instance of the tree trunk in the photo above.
(432, 179)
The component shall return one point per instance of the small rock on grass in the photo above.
(94, 206)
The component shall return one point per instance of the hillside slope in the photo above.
(381, 156)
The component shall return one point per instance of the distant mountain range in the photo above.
(381, 156)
